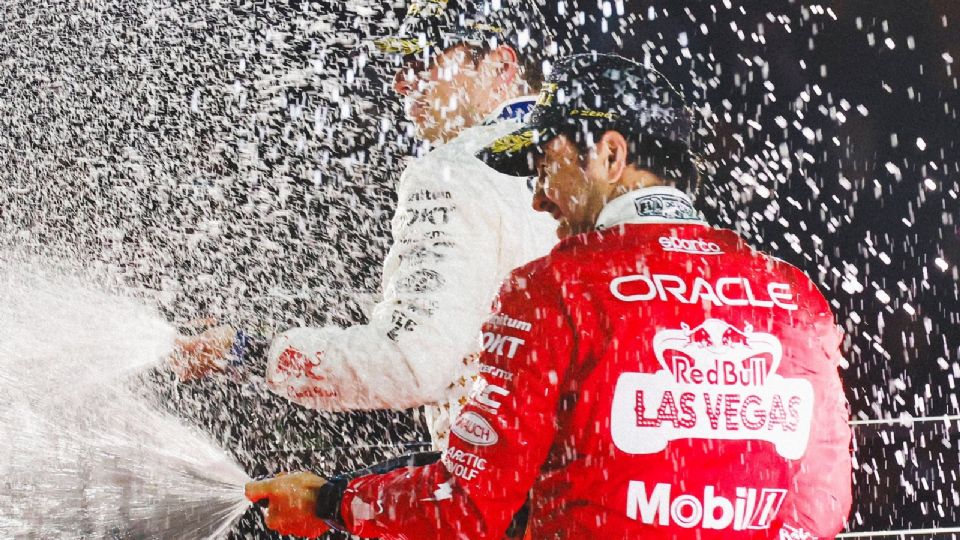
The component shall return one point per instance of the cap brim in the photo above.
(403, 46)
(411, 45)
(514, 153)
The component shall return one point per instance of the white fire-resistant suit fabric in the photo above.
(459, 229)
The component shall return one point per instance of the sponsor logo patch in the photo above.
(474, 429)
(590, 113)
(501, 319)
(428, 195)
(752, 508)
(486, 394)
(725, 291)
(496, 372)
(717, 382)
(693, 246)
(311, 392)
(421, 281)
(665, 206)
(293, 363)
(301, 377)
(400, 322)
(499, 344)
(464, 464)
(433, 215)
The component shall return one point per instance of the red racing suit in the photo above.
(655, 379)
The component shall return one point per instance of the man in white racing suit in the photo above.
(459, 228)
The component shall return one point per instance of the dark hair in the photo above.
(532, 68)
(669, 160)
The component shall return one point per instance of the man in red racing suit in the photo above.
(652, 377)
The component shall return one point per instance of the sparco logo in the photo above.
(696, 246)
(717, 382)
(751, 509)
(474, 429)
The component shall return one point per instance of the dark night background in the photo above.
(902, 353)
(238, 158)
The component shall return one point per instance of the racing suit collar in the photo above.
(659, 204)
(513, 109)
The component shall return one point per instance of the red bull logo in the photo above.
(700, 337)
(732, 336)
(716, 381)
(293, 363)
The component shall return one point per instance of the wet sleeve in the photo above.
(498, 444)
(819, 501)
(439, 279)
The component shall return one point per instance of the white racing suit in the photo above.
(459, 229)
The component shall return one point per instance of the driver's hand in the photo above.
(196, 357)
(291, 501)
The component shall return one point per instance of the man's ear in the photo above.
(505, 63)
(614, 151)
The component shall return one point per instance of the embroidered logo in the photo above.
(427, 8)
(665, 206)
(401, 45)
(547, 92)
(513, 143)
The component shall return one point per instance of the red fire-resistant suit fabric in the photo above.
(646, 381)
